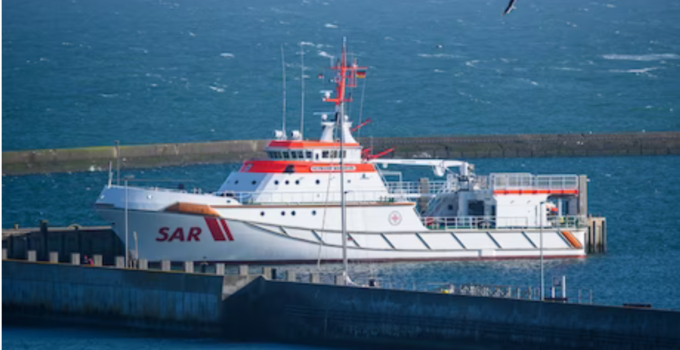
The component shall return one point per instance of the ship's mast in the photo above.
(302, 88)
(343, 209)
(283, 69)
(346, 78)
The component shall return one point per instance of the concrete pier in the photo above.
(378, 318)
(466, 147)
(251, 308)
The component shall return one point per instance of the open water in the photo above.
(86, 73)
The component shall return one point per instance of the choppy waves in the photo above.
(647, 57)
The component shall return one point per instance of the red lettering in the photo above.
(193, 233)
(164, 234)
(178, 234)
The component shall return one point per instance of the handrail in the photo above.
(476, 222)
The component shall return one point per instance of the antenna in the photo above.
(283, 69)
(302, 82)
(361, 106)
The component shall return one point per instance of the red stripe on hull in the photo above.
(215, 229)
(226, 229)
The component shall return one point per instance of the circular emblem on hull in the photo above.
(395, 218)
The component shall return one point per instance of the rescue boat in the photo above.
(320, 200)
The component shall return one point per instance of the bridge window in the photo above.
(293, 154)
(324, 154)
(285, 155)
(301, 155)
(309, 155)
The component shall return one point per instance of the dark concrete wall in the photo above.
(156, 300)
(489, 146)
(296, 312)
(63, 240)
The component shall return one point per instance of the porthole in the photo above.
(287, 182)
(293, 213)
(283, 213)
(349, 181)
(236, 182)
(318, 182)
(276, 182)
(297, 182)
(254, 182)
(313, 212)
(261, 213)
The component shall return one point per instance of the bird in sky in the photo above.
(511, 6)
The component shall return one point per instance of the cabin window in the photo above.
(285, 155)
(276, 182)
(293, 154)
(301, 155)
(309, 155)
(334, 154)
(324, 154)
(317, 156)
(344, 154)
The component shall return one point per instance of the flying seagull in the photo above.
(511, 6)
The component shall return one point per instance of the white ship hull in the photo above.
(182, 237)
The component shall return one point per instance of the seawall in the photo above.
(323, 314)
(466, 147)
(142, 299)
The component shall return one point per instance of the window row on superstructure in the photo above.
(307, 155)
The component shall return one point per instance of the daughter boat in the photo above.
(288, 208)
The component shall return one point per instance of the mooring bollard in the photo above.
(54, 257)
(4, 254)
(339, 280)
(189, 266)
(314, 278)
(267, 272)
(243, 270)
(75, 258)
(98, 260)
(32, 255)
(219, 269)
(165, 265)
(143, 264)
(120, 262)
(290, 276)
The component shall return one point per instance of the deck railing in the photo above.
(508, 181)
(477, 222)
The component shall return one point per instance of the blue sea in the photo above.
(89, 72)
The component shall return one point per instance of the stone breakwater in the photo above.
(456, 147)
